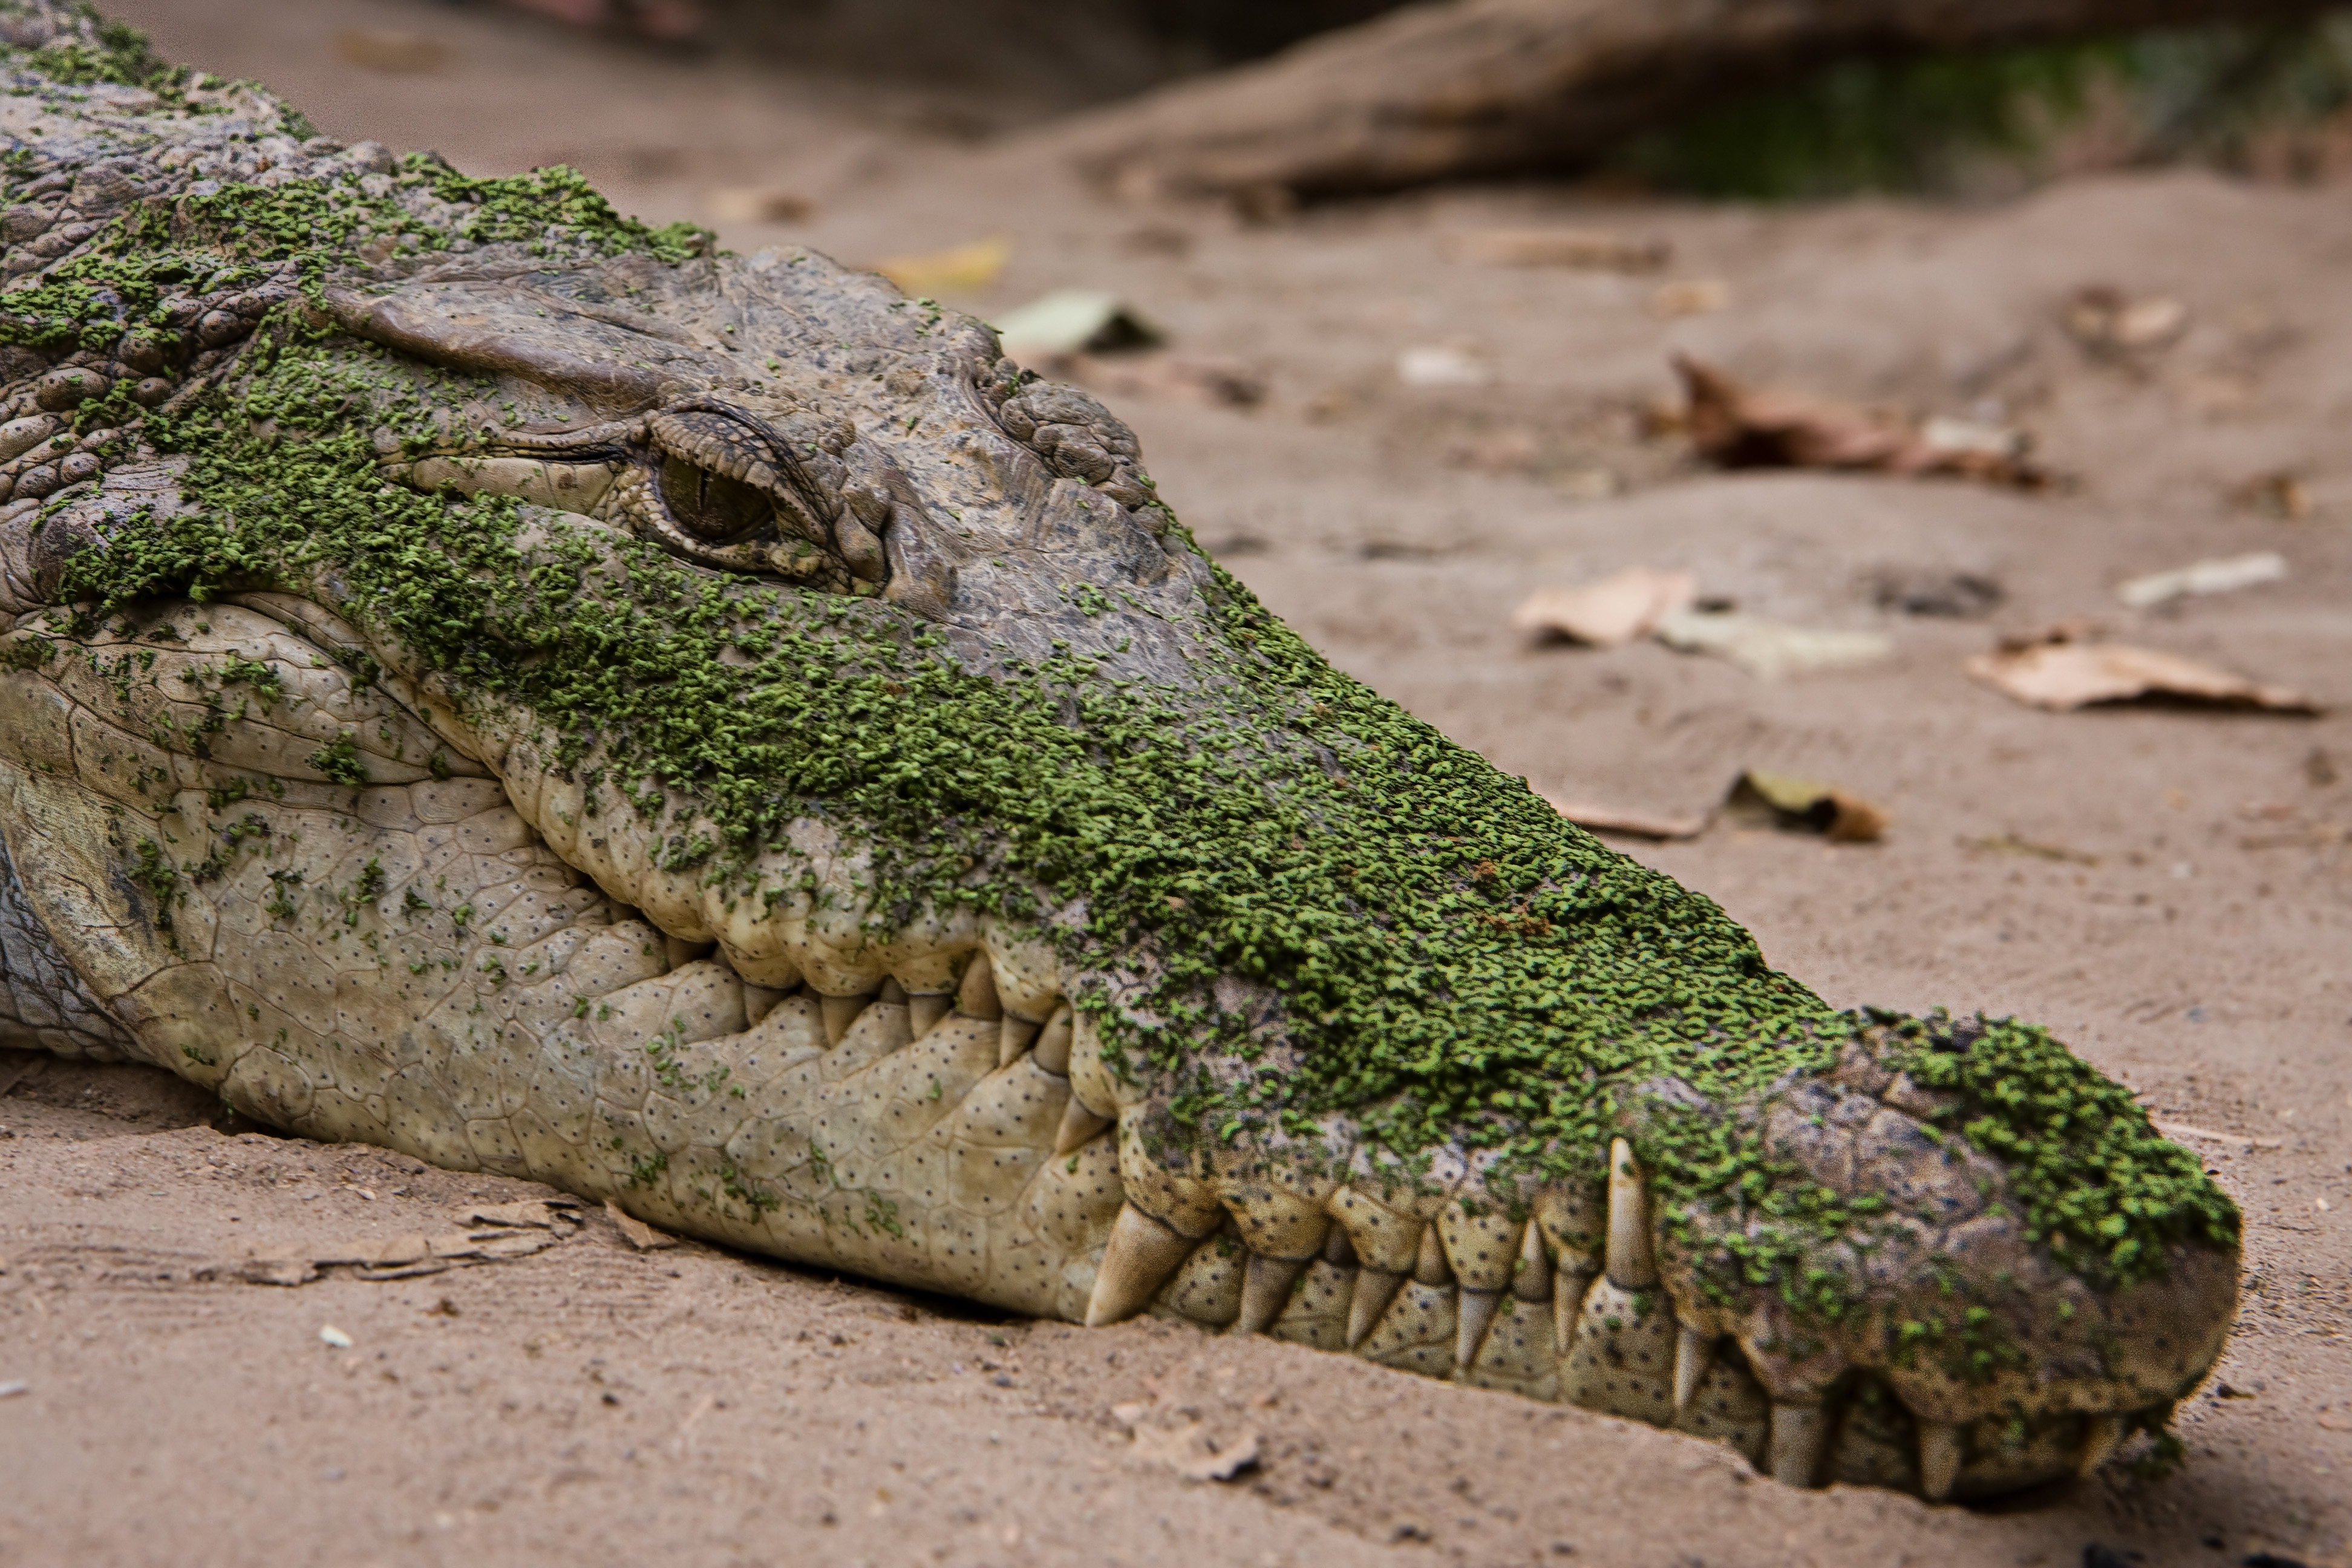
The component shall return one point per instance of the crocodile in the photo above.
(489, 679)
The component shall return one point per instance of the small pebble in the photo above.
(336, 1337)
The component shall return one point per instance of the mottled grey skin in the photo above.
(452, 959)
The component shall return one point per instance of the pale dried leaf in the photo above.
(2219, 574)
(1638, 823)
(2062, 676)
(1593, 250)
(276, 1271)
(1615, 610)
(640, 1235)
(1770, 649)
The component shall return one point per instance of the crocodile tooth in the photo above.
(1569, 1283)
(1474, 1314)
(1532, 1282)
(1939, 1458)
(1799, 1435)
(1337, 1250)
(976, 998)
(1430, 1267)
(1142, 1253)
(1266, 1284)
(841, 1013)
(1012, 1038)
(924, 1012)
(1693, 1351)
(1052, 1051)
(1630, 1262)
(2105, 1435)
(1375, 1289)
(1078, 1128)
(892, 993)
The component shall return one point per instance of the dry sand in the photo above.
(2171, 889)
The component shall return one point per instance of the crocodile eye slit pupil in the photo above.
(711, 507)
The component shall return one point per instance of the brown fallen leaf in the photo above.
(1740, 428)
(1615, 610)
(2107, 322)
(1770, 649)
(2063, 671)
(641, 1235)
(962, 269)
(386, 49)
(542, 1212)
(757, 204)
(1201, 379)
(1779, 800)
(1636, 823)
(1690, 297)
(276, 1271)
(2280, 494)
(1592, 249)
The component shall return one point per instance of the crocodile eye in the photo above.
(711, 507)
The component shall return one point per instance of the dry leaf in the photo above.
(1638, 823)
(2281, 495)
(753, 204)
(1594, 250)
(2063, 673)
(540, 1211)
(641, 1235)
(1740, 428)
(1778, 800)
(964, 269)
(1178, 378)
(1074, 321)
(2103, 319)
(1770, 649)
(1691, 297)
(2220, 575)
(1444, 365)
(386, 50)
(1611, 612)
(276, 1271)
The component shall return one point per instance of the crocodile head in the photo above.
(494, 680)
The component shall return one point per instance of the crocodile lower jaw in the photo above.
(1606, 1338)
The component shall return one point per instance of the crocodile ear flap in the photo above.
(494, 332)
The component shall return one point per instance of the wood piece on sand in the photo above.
(1448, 90)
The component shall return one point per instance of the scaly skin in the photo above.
(485, 679)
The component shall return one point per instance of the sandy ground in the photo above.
(2172, 889)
